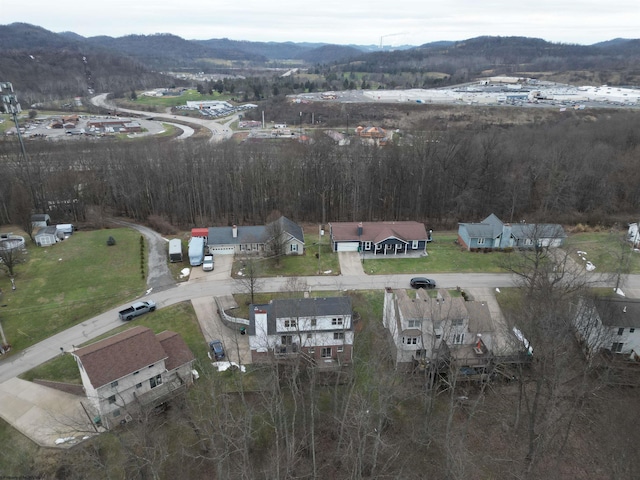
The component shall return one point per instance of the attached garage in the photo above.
(347, 246)
(222, 250)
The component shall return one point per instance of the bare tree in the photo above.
(11, 257)
(250, 279)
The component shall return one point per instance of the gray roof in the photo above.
(252, 234)
(492, 227)
(618, 312)
(300, 308)
(50, 230)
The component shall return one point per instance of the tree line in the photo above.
(569, 170)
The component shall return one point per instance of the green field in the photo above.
(170, 101)
(61, 285)
(605, 250)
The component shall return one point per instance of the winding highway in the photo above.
(218, 131)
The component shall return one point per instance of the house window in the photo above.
(340, 349)
(313, 322)
(294, 247)
(481, 241)
(286, 339)
(458, 338)
(138, 385)
(620, 331)
(309, 335)
(420, 353)
(137, 372)
(338, 335)
(457, 322)
(155, 381)
(415, 323)
(151, 366)
(112, 399)
(312, 351)
(410, 340)
(414, 244)
(114, 384)
(367, 245)
(528, 241)
(326, 352)
(336, 321)
(290, 323)
(617, 347)
(631, 330)
(116, 413)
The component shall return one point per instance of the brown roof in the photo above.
(119, 355)
(177, 350)
(378, 231)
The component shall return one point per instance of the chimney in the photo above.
(234, 231)
(360, 229)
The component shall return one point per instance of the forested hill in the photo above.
(506, 55)
(47, 66)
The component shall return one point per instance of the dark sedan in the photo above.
(421, 282)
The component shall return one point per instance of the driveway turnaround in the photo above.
(47, 416)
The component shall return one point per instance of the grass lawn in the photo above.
(604, 250)
(298, 265)
(171, 101)
(64, 284)
(179, 318)
(444, 257)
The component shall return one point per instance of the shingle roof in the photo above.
(176, 349)
(618, 312)
(377, 231)
(252, 234)
(299, 308)
(119, 355)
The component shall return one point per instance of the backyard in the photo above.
(61, 285)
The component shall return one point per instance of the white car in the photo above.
(207, 263)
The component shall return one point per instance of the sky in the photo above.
(369, 22)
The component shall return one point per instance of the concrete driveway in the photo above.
(350, 264)
(221, 270)
(44, 414)
(236, 346)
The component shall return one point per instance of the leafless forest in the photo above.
(581, 168)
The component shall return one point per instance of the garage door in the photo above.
(348, 246)
(222, 250)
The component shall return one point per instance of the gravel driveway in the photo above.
(159, 276)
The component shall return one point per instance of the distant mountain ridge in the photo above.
(47, 64)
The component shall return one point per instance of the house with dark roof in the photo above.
(319, 329)
(379, 238)
(133, 369)
(609, 323)
(493, 234)
(257, 239)
(40, 220)
(423, 329)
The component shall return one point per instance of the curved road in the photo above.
(218, 131)
(168, 292)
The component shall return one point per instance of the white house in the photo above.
(609, 323)
(321, 329)
(131, 369)
(48, 236)
(423, 329)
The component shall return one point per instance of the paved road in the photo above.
(218, 131)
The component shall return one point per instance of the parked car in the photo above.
(217, 349)
(138, 308)
(207, 263)
(422, 282)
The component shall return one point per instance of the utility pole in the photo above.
(10, 105)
